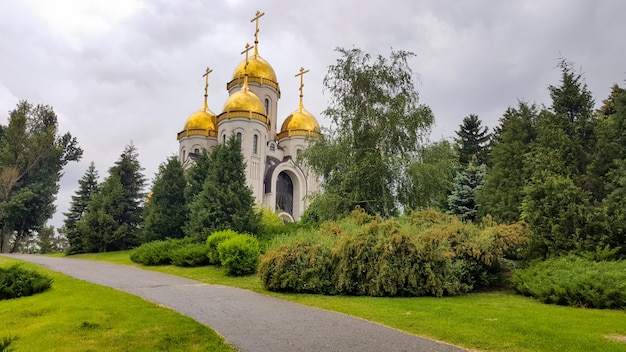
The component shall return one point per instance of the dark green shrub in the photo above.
(303, 266)
(239, 255)
(192, 254)
(6, 342)
(157, 252)
(214, 240)
(16, 281)
(574, 281)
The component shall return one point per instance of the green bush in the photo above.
(239, 255)
(157, 252)
(423, 253)
(214, 240)
(18, 282)
(574, 281)
(192, 254)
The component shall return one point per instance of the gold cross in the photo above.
(258, 15)
(301, 74)
(206, 83)
(245, 80)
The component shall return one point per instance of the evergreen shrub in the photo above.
(423, 253)
(239, 255)
(190, 255)
(574, 281)
(214, 240)
(157, 252)
(16, 281)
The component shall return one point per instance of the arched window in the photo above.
(224, 138)
(255, 142)
(197, 151)
(284, 193)
(184, 156)
(272, 146)
(239, 137)
(267, 106)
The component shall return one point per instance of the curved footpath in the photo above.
(249, 321)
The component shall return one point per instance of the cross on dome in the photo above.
(206, 86)
(245, 79)
(301, 74)
(258, 15)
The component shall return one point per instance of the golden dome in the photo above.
(299, 123)
(245, 100)
(257, 67)
(201, 119)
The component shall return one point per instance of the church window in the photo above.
(238, 136)
(272, 147)
(267, 106)
(197, 151)
(284, 193)
(224, 138)
(254, 144)
(184, 156)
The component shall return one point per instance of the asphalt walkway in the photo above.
(249, 321)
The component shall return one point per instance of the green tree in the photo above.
(225, 201)
(467, 183)
(48, 242)
(473, 141)
(557, 199)
(32, 157)
(100, 228)
(165, 212)
(87, 186)
(379, 127)
(196, 176)
(429, 180)
(129, 218)
(501, 196)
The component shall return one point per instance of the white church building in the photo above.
(277, 180)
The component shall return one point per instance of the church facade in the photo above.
(277, 179)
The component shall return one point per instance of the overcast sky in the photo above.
(117, 71)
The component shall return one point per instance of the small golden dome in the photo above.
(299, 122)
(202, 119)
(245, 100)
(257, 67)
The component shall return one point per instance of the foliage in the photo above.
(112, 218)
(239, 255)
(5, 343)
(430, 179)
(574, 281)
(379, 128)
(191, 254)
(214, 240)
(423, 253)
(196, 175)
(225, 201)
(165, 210)
(32, 157)
(157, 252)
(467, 184)
(16, 281)
(502, 193)
(472, 141)
(87, 186)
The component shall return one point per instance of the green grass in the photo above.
(496, 321)
(78, 316)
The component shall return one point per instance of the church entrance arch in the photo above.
(284, 193)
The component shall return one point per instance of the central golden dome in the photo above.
(244, 100)
(257, 67)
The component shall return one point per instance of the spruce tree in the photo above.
(472, 141)
(501, 196)
(467, 183)
(165, 211)
(129, 218)
(196, 176)
(225, 201)
(87, 186)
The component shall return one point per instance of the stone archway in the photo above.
(284, 193)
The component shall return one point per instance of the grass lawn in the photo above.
(497, 321)
(78, 316)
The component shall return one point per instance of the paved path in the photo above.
(247, 320)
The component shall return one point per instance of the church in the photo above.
(277, 180)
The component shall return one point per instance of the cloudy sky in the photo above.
(122, 71)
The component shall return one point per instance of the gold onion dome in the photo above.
(203, 119)
(257, 67)
(244, 100)
(300, 122)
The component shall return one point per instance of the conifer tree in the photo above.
(472, 141)
(501, 196)
(165, 211)
(196, 175)
(225, 201)
(467, 183)
(87, 186)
